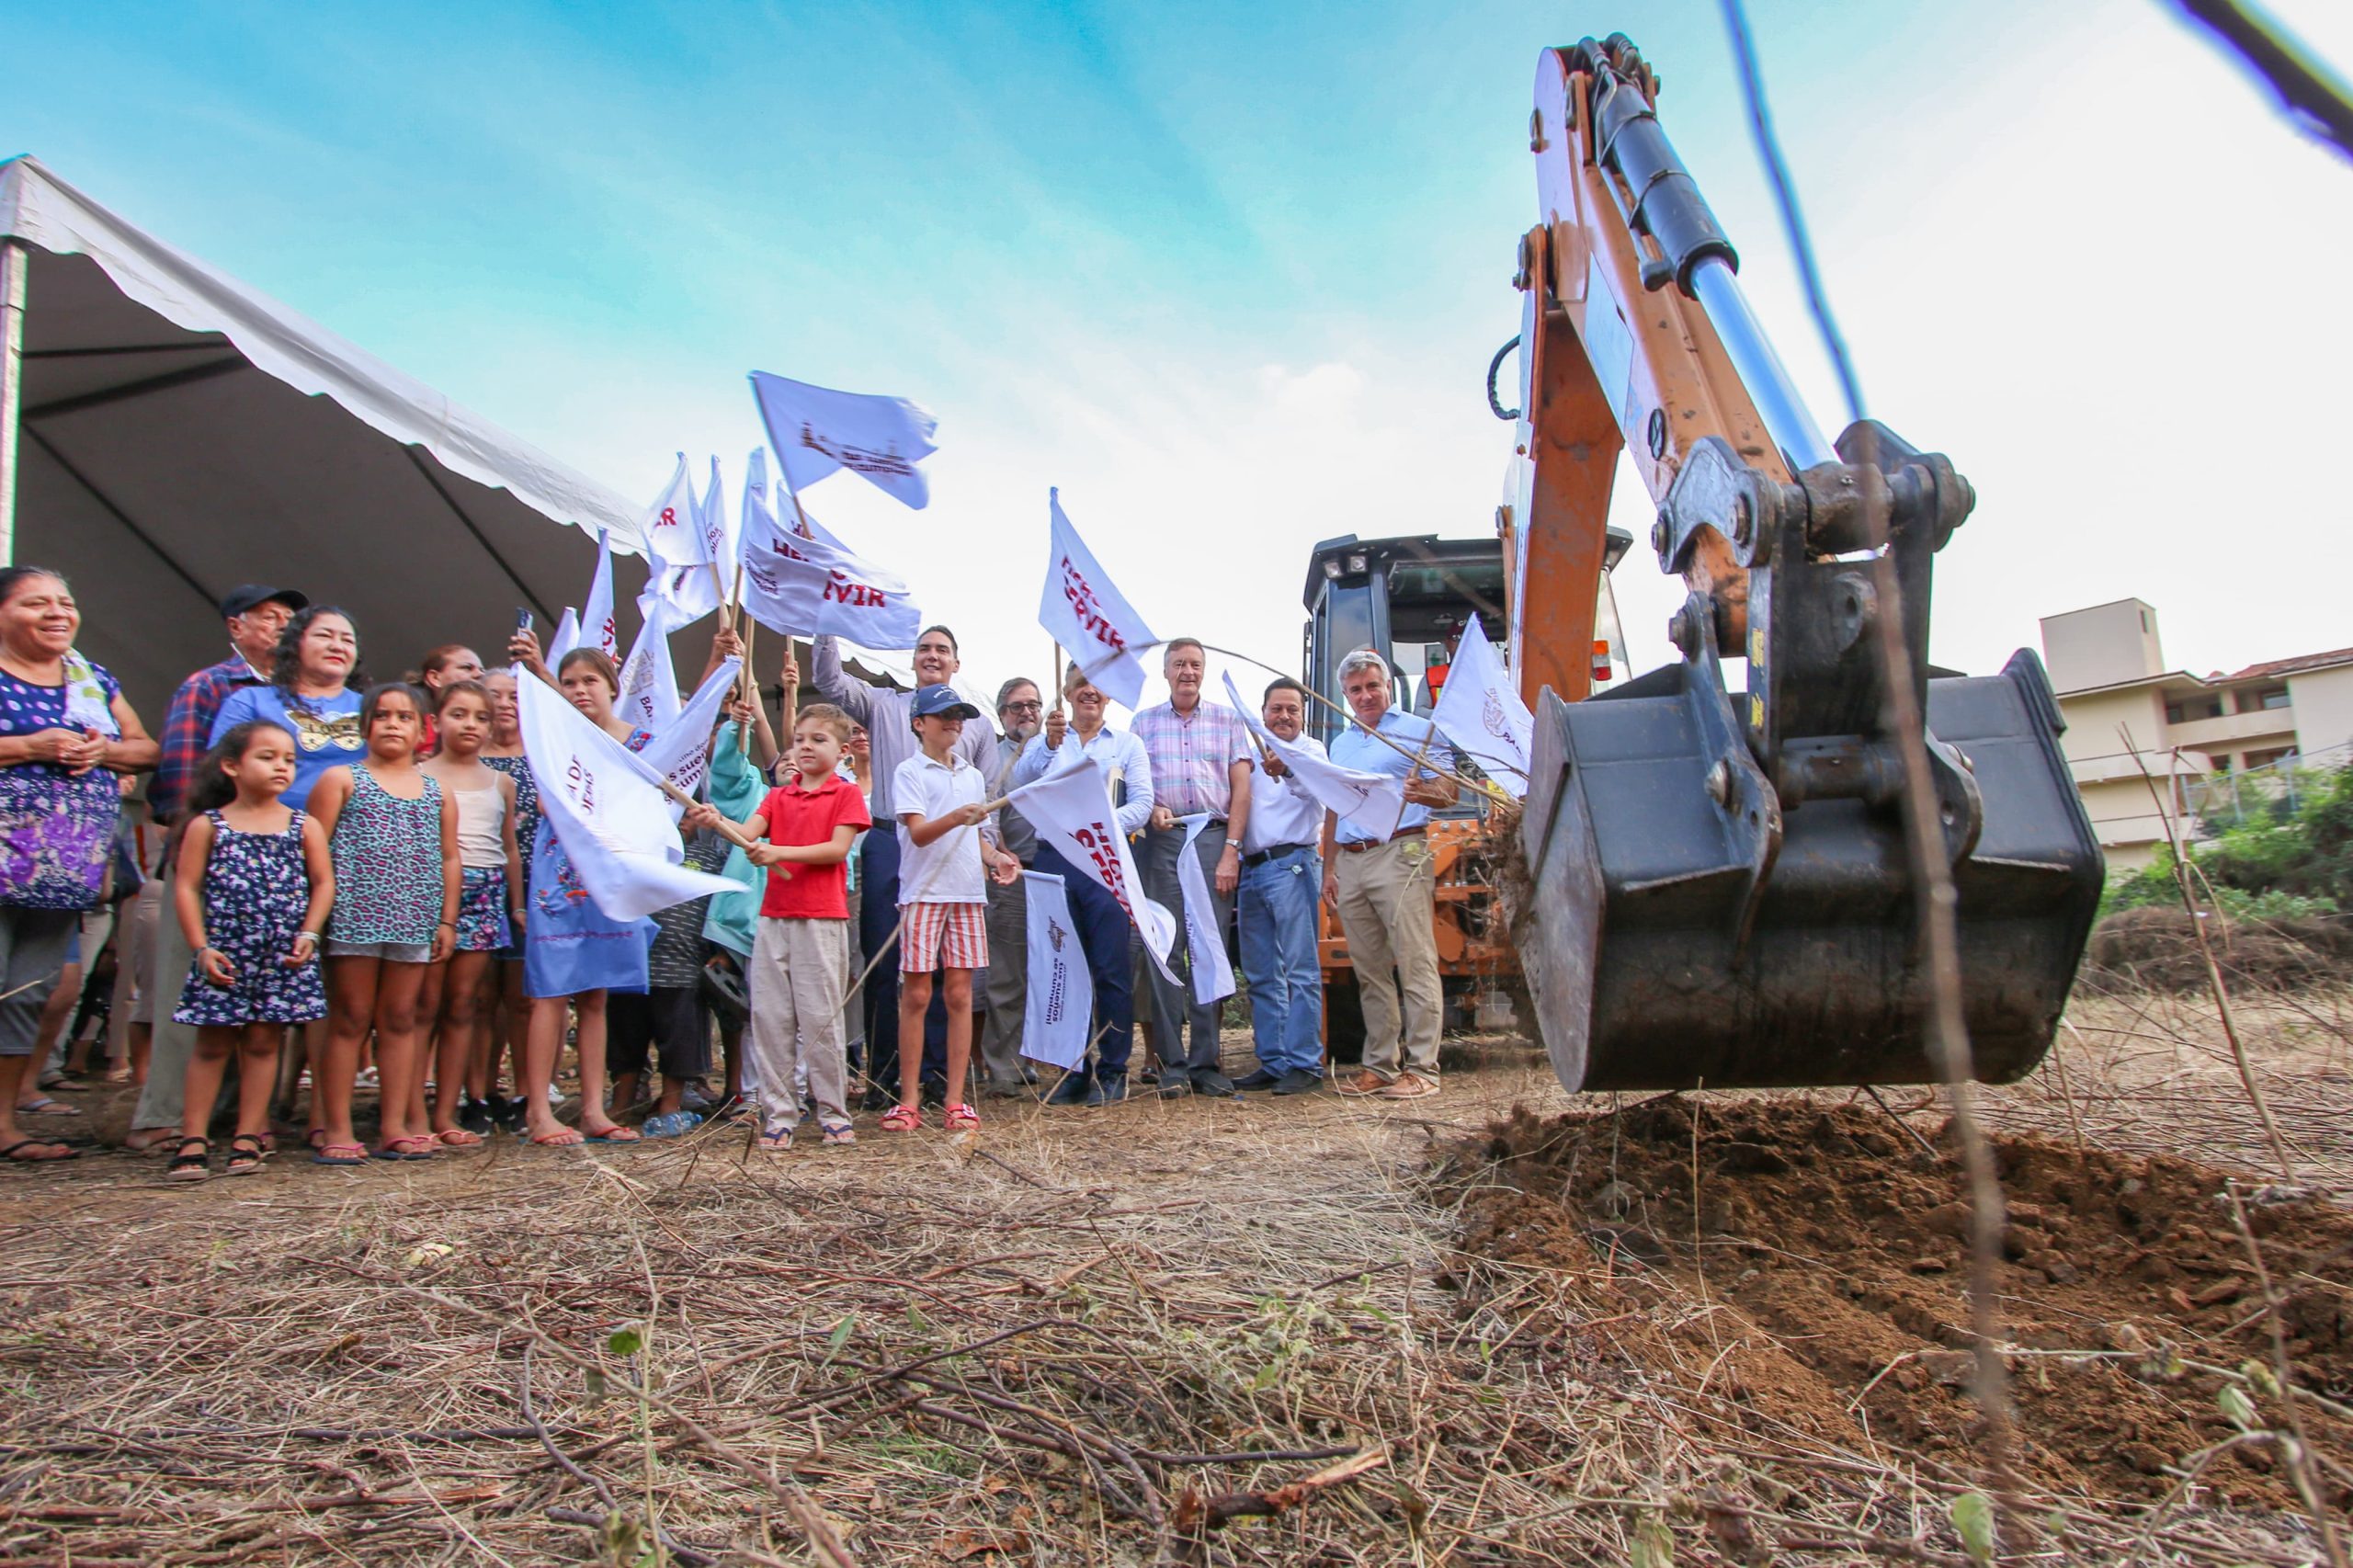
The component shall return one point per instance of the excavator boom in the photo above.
(1722, 892)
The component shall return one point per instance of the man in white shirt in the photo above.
(1282, 874)
(1103, 925)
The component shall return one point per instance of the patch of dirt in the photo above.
(2154, 948)
(1822, 1284)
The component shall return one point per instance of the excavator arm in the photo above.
(1722, 889)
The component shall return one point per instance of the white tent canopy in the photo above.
(182, 434)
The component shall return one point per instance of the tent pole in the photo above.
(13, 266)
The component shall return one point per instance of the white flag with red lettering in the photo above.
(1088, 616)
(816, 430)
(1375, 801)
(673, 525)
(649, 697)
(814, 587)
(607, 807)
(1072, 811)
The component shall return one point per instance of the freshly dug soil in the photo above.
(1822, 1284)
(2154, 948)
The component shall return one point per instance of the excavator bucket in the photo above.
(1684, 930)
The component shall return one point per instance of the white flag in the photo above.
(649, 697)
(1375, 801)
(1479, 710)
(1204, 943)
(593, 626)
(1086, 615)
(1072, 811)
(673, 526)
(606, 808)
(681, 595)
(566, 636)
(815, 430)
(1061, 1006)
(710, 520)
(680, 750)
(813, 588)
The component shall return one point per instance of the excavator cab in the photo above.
(1722, 883)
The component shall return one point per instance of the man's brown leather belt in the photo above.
(1353, 848)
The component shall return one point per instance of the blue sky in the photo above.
(1228, 274)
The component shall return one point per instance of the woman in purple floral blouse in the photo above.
(65, 732)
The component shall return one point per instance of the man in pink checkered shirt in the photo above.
(1200, 763)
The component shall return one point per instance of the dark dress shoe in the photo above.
(1299, 1081)
(1075, 1089)
(1261, 1079)
(1209, 1081)
(1175, 1083)
(1110, 1089)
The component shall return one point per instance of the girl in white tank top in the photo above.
(490, 901)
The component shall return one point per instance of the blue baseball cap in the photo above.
(942, 702)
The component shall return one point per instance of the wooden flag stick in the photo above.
(791, 710)
(727, 829)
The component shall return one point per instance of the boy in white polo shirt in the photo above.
(943, 895)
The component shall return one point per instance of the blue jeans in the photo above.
(1103, 932)
(1279, 962)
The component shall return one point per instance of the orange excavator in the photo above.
(1721, 893)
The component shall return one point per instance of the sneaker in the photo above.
(508, 1114)
(903, 1118)
(1365, 1083)
(1299, 1081)
(1410, 1086)
(1075, 1089)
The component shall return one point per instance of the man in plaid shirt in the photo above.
(256, 613)
(1200, 762)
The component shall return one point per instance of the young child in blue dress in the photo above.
(252, 887)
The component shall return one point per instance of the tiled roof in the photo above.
(2278, 668)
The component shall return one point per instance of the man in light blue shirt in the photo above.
(1382, 886)
(1102, 924)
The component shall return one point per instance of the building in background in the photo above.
(2127, 712)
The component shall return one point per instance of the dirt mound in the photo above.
(2154, 948)
(1810, 1263)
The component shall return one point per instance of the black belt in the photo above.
(1263, 856)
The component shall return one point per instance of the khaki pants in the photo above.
(796, 980)
(1385, 907)
(159, 1100)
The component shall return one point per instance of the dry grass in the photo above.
(1217, 1333)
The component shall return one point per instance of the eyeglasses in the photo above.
(1024, 708)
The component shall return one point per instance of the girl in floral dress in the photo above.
(396, 854)
(252, 889)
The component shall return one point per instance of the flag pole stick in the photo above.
(791, 710)
(727, 829)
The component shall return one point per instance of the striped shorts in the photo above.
(942, 936)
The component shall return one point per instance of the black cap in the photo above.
(239, 599)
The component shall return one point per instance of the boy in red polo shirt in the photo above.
(801, 956)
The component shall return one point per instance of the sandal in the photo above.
(412, 1148)
(963, 1119)
(186, 1166)
(838, 1136)
(12, 1156)
(615, 1133)
(459, 1138)
(776, 1142)
(562, 1138)
(41, 1104)
(903, 1118)
(326, 1154)
(246, 1151)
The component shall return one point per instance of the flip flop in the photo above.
(562, 1138)
(406, 1149)
(9, 1154)
(459, 1138)
(41, 1104)
(339, 1155)
(614, 1135)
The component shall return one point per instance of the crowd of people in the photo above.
(310, 879)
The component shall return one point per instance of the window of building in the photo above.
(2190, 709)
(2276, 697)
(2256, 698)
(2265, 758)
